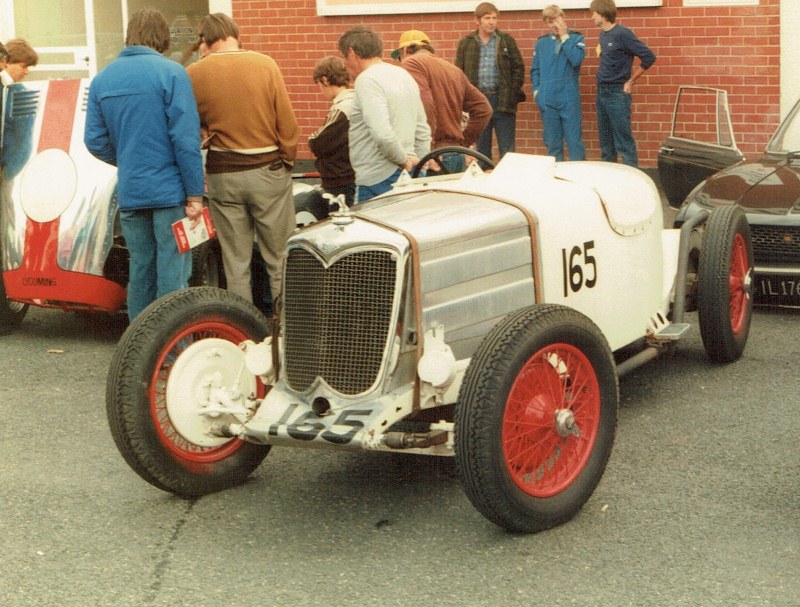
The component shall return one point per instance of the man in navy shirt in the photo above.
(617, 47)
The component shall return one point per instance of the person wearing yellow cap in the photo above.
(446, 93)
(388, 128)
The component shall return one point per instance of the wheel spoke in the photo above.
(541, 460)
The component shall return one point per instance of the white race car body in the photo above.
(481, 316)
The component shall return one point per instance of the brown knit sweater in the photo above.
(244, 105)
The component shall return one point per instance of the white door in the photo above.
(79, 38)
(61, 32)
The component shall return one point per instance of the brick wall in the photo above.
(733, 48)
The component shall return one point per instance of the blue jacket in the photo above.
(142, 118)
(555, 69)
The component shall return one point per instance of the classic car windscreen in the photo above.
(787, 137)
(701, 114)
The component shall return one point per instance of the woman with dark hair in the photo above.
(142, 118)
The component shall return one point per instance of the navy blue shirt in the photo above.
(618, 46)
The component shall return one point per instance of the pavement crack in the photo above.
(163, 563)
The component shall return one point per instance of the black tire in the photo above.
(143, 417)
(724, 299)
(11, 312)
(310, 207)
(500, 414)
(453, 149)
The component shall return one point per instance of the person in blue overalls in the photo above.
(557, 59)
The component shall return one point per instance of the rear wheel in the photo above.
(176, 352)
(11, 312)
(724, 301)
(536, 418)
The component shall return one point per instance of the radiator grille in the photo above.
(336, 319)
(775, 244)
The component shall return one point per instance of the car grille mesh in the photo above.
(336, 319)
(775, 244)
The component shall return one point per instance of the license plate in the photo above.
(777, 290)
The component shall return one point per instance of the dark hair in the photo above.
(605, 8)
(19, 51)
(148, 27)
(218, 26)
(333, 71)
(364, 42)
(485, 8)
(3, 53)
(422, 46)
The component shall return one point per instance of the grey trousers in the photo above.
(247, 205)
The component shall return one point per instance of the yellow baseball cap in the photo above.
(407, 39)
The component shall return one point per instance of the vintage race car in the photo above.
(701, 168)
(485, 316)
(61, 244)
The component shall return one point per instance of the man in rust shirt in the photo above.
(252, 143)
(446, 94)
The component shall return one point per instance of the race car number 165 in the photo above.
(580, 267)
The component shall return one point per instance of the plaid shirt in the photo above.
(510, 67)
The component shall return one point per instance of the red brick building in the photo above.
(727, 45)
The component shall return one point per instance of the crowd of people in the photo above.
(150, 117)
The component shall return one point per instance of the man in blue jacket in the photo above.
(142, 118)
(555, 68)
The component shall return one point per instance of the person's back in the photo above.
(446, 93)
(388, 128)
(141, 117)
(130, 92)
(252, 132)
(242, 98)
(385, 111)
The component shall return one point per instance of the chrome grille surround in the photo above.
(775, 243)
(338, 317)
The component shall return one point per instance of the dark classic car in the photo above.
(700, 167)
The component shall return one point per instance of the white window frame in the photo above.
(721, 2)
(397, 7)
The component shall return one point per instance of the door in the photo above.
(700, 143)
(78, 39)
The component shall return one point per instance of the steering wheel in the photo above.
(453, 149)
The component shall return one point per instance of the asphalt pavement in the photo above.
(699, 505)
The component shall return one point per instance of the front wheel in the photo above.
(536, 418)
(178, 351)
(724, 300)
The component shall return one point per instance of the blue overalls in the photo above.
(554, 79)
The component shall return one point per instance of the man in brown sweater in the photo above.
(252, 136)
(446, 95)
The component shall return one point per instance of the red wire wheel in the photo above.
(724, 278)
(739, 284)
(170, 437)
(536, 418)
(551, 420)
(171, 358)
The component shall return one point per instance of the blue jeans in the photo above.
(365, 192)
(504, 125)
(614, 125)
(156, 266)
(453, 163)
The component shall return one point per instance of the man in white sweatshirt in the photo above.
(389, 131)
